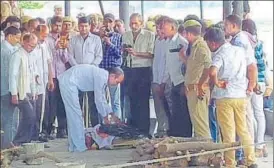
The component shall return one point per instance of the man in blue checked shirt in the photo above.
(112, 56)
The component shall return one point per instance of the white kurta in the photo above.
(83, 77)
(21, 76)
(41, 57)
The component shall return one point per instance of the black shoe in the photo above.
(50, 137)
(43, 139)
(61, 134)
(160, 134)
(46, 146)
(240, 163)
(253, 166)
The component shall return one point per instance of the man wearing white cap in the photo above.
(58, 11)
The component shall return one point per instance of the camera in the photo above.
(107, 32)
(176, 49)
(127, 46)
(63, 41)
(125, 54)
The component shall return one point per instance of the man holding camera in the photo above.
(59, 52)
(111, 44)
(180, 123)
(139, 44)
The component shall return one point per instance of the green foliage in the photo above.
(31, 5)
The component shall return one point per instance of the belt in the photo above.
(191, 87)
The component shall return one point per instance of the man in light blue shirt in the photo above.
(8, 47)
(233, 24)
(86, 48)
(161, 83)
(86, 78)
(230, 80)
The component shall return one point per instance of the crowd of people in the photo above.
(207, 80)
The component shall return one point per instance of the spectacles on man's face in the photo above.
(17, 37)
(30, 46)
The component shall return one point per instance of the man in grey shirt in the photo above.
(86, 48)
(180, 124)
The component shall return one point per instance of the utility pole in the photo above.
(142, 9)
(124, 13)
(238, 8)
(101, 7)
(201, 9)
(67, 7)
(227, 8)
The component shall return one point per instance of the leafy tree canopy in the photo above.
(31, 5)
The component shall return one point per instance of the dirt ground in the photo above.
(100, 158)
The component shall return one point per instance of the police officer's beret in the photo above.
(58, 7)
(150, 25)
(67, 19)
(191, 23)
(25, 19)
(208, 23)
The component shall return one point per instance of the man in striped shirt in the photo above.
(111, 44)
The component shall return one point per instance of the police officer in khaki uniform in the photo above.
(24, 21)
(5, 11)
(196, 78)
(16, 11)
(67, 27)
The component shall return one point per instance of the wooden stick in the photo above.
(193, 139)
(42, 112)
(166, 140)
(118, 143)
(11, 149)
(86, 107)
(41, 154)
(181, 157)
(169, 148)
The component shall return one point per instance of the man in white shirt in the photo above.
(43, 61)
(229, 78)
(85, 78)
(23, 89)
(86, 48)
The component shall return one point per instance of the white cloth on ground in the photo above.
(102, 142)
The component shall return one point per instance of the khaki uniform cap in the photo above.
(67, 19)
(191, 23)
(25, 19)
(208, 23)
